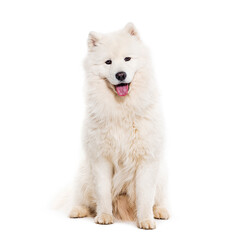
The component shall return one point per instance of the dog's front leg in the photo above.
(102, 170)
(145, 191)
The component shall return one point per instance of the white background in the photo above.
(42, 46)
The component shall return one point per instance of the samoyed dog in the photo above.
(122, 175)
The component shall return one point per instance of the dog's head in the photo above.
(116, 57)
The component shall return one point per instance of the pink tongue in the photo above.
(122, 90)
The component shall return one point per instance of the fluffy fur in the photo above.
(122, 174)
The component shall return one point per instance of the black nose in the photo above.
(121, 76)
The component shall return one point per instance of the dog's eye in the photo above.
(127, 59)
(108, 62)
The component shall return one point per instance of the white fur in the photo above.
(122, 135)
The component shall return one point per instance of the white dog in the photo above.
(122, 173)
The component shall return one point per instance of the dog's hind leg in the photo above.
(82, 196)
(79, 212)
(160, 212)
(160, 204)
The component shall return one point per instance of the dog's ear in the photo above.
(94, 39)
(131, 29)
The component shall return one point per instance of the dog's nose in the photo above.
(121, 76)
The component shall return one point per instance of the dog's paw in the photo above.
(160, 213)
(147, 224)
(104, 219)
(79, 212)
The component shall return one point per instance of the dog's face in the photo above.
(116, 57)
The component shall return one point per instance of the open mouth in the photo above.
(122, 89)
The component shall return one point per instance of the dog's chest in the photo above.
(124, 140)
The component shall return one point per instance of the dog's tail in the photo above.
(123, 209)
(63, 200)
